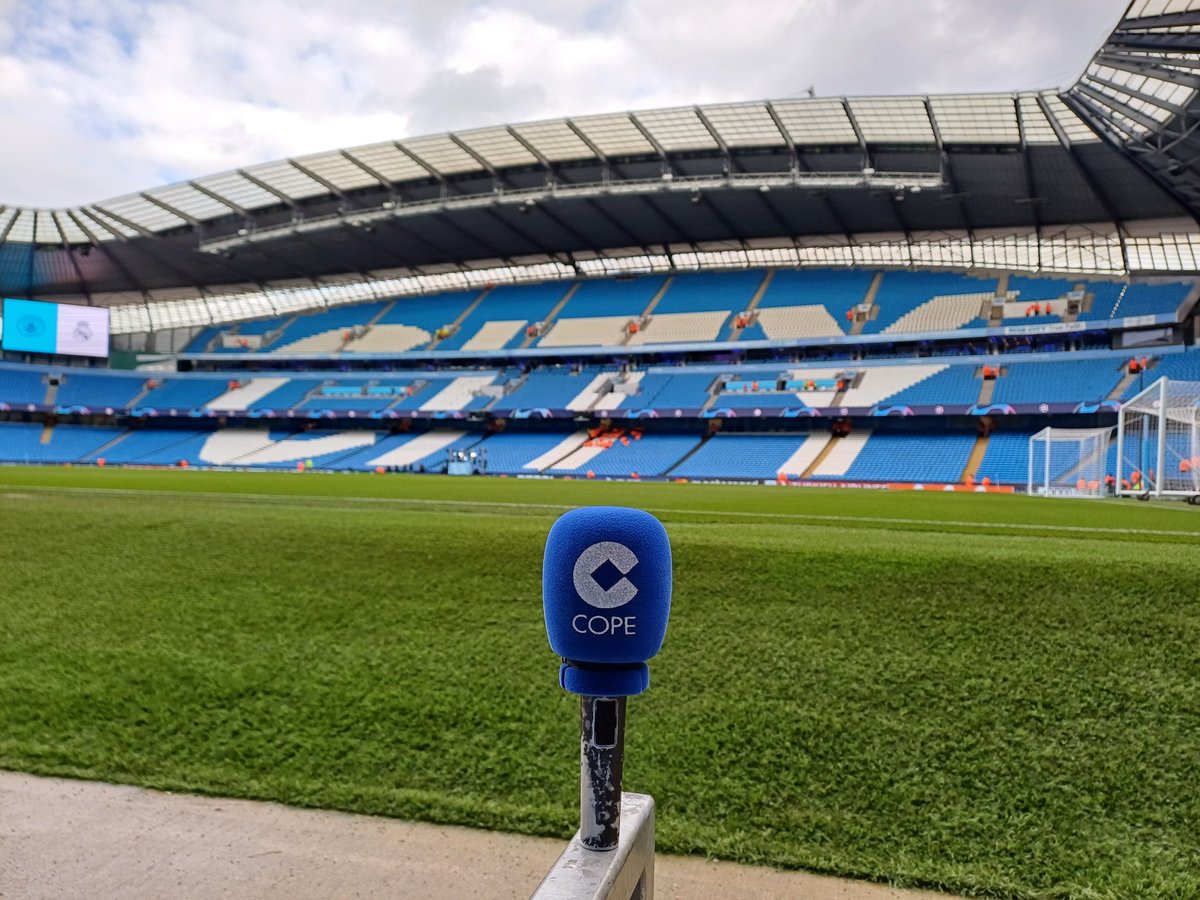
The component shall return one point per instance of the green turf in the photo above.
(995, 695)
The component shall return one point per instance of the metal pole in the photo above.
(601, 764)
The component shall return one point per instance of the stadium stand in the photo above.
(597, 331)
(663, 389)
(951, 301)
(500, 319)
(838, 290)
(613, 297)
(325, 332)
(21, 442)
(205, 340)
(680, 328)
(1006, 460)
(795, 323)
(93, 390)
(951, 384)
(515, 454)
(424, 452)
(153, 447)
(184, 393)
(1180, 366)
(1151, 299)
(622, 455)
(935, 459)
(840, 456)
(553, 387)
(19, 387)
(749, 456)
(1062, 381)
(710, 292)
(411, 323)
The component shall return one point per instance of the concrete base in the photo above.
(62, 838)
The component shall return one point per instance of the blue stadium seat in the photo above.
(710, 292)
(429, 313)
(79, 388)
(934, 459)
(154, 447)
(612, 297)
(1006, 460)
(184, 393)
(838, 290)
(508, 453)
(751, 456)
(22, 388)
(958, 384)
(549, 388)
(21, 443)
(901, 292)
(659, 390)
(517, 302)
(1062, 381)
(650, 456)
(336, 318)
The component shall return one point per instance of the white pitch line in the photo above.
(506, 504)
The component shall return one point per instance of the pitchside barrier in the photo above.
(606, 595)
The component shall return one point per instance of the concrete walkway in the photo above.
(69, 839)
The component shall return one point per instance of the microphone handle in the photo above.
(601, 763)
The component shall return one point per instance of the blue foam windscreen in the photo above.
(606, 592)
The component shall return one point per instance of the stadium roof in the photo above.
(1117, 152)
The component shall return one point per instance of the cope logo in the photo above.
(594, 594)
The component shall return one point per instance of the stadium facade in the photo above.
(906, 266)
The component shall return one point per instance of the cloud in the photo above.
(103, 97)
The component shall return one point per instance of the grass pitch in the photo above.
(994, 695)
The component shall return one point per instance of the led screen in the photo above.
(53, 328)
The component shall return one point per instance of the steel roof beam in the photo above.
(716, 135)
(222, 199)
(1150, 123)
(69, 250)
(1093, 184)
(355, 161)
(166, 207)
(1155, 41)
(617, 225)
(287, 199)
(1172, 108)
(944, 159)
(666, 158)
(333, 189)
(487, 166)
(1148, 66)
(1165, 20)
(1027, 167)
(11, 222)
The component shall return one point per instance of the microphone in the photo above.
(606, 594)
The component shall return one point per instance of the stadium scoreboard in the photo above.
(31, 326)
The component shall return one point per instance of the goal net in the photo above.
(1158, 441)
(1069, 462)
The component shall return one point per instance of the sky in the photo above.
(100, 98)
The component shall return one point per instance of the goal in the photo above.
(1069, 462)
(1158, 441)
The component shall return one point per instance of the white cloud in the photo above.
(102, 97)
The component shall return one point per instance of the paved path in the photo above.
(81, 839)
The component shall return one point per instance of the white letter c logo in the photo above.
(592, 559)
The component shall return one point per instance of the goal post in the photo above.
(1158, 441)
(1069, 462)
